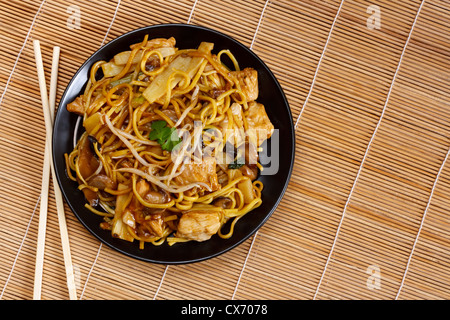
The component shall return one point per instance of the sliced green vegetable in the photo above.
(137, 101)
(126, 79)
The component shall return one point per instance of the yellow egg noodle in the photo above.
(171, 142)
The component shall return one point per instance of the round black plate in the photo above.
(277, 108)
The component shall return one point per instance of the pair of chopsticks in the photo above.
(48, 106)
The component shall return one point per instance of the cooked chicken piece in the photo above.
(142, 187)
(76, 106)
(198, 225)
(200, 172)
(157, 227)
(248, 80)
(149, 221)
(236, 110)
(153, 227)
(79, 107)
(259, 126)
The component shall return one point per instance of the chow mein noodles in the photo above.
(171, 142)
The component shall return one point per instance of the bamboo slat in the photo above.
(366, 212)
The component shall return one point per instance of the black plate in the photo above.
(277, 108)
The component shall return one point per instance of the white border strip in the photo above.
(20, 248)
(318, 65)
(421, 223)
(259, 24)
(90, 271)
(192, 12)
(367, 150)
(1, 101)
(20, 53)
(161, 282)
(243, 266)
(112, 21)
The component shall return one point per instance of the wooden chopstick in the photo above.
(48, 111)
(43, 210)
(42, 225)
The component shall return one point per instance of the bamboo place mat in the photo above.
(366, 213)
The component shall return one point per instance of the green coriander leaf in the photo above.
(238, 163)
(159, 125)
(164, 135)
(171, 141)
